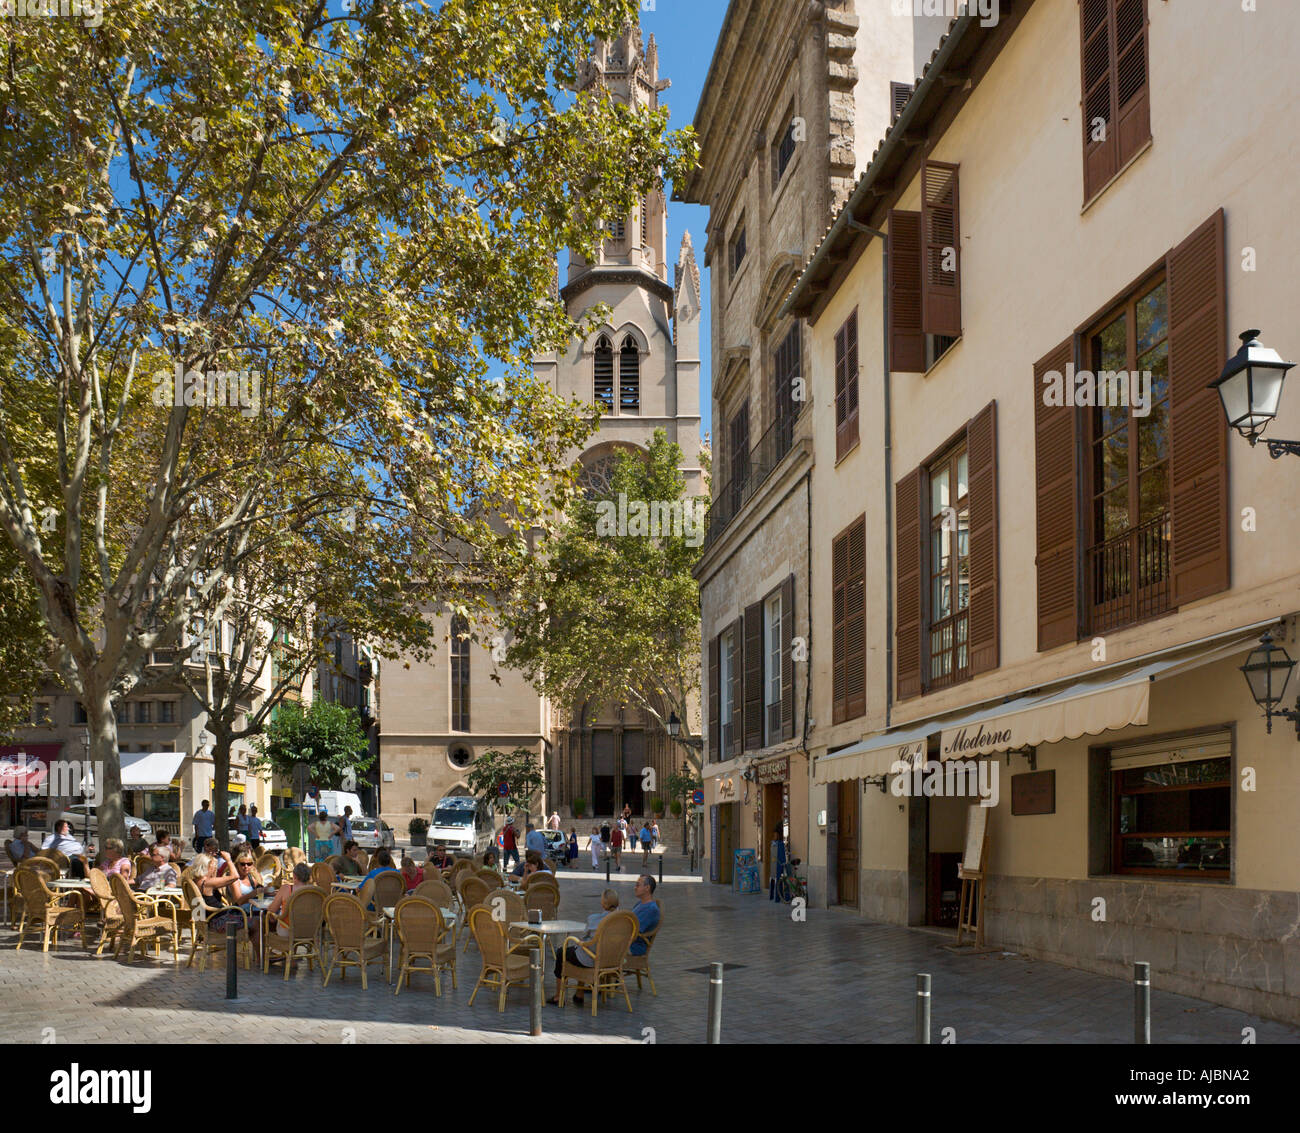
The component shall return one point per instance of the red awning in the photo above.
(25, 767)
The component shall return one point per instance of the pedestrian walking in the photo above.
(654, 834)
(254, 828)
(241, 821)
(594, 844)
(553, 822)
(616, 844)
(645, 843)
(777, 859)
(573, 845)
(509, 844)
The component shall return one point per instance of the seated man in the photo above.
(18, 847)
(135, 843)
(63, 841)
(575, 955)
(383, 861)
(349, 866)
(160, 873)
(646, 911)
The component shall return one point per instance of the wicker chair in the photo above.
(269, 866)
(138, 926)
(110, 916)
(390, 887)
(143, 863)
(350, 936)
(204, 940)
(322, 876)
(437, 891)
(363, 860)
(491, 876)
(58, 857)
(471, 889)
(545, 898)
(46, 911)
(640, 965)
(43, 862)
(609, 951)
(305, 912)
(423, 935)
(503, 964)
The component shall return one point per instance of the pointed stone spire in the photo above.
(687, 271)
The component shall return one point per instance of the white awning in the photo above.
(1085, 708)
(874, 755)
(150, 770)
(1081, 708)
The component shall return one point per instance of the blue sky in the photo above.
(686, 31)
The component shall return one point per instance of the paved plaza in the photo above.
(833, 978)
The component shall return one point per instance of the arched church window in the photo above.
(605, 373)
(594, 479)
(629, 377)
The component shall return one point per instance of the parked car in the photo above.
(274, 839)
(85, 826)
(372, 833)
(557, 846)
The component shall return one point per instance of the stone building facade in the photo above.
(795, 96)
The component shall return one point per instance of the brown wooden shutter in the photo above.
(940, 288)
(1056, 474)
(855, 626)
(787, 658)
(1116, 91)
(737, 687)
(754, 676)
(846, 386)
(1132, 90)
(906, 339)
(715, 698)
(907, 531)
(1198, 447)
(982, 454)
(839, 575)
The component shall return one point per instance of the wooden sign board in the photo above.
(977, 818)
(1033, 793)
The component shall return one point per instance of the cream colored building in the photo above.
(642, 366)
(1064, 594)
(795, 97)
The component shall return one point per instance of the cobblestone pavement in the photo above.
(834, 978)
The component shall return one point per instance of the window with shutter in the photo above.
(783, 150)
(787, 658)
(941, 263)
(785, 373)
(738, 447)
(629, 377)
(1056, 475)
(604, 373)
(899, 93)
(754, 676)
(737, 636)
(1198, 435)
(459, 674)
(848, 623)
(1116, 94)
(948, 567)
(773, 669)
(907, 534)
(715, 698)
(729, 706)
(906, 338)
(846, 386)
(982, 448)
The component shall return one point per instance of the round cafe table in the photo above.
(70, 883)
(546, 929)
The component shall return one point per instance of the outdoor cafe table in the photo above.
(70, 883)
(552, 928)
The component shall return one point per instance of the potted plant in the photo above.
(676, 807)
(657, 806)
(579, 807)
(418, 828)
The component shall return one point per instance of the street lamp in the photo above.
(1250, 388)
(1267, 671)
(674, 732)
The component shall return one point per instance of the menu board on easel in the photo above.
(977, 818)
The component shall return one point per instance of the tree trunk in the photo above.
(221, 781)
(106, 765)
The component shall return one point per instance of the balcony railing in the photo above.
(1128, 576)
(748, 477)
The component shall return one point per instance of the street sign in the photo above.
(503, 790)
(697, 797)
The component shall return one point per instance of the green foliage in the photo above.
(418, 826)
(676, 807)
(327, 737)
(520, 769)
(615, 617)
(656, 805)
(579, 807)
(679, 785)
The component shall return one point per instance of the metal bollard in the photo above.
(606, 867)
(1142, 1003)
(535, 972)
(232, 965)
(715, 1004)
(923, 1008)
(661, 868)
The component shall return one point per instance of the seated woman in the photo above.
(412, 874)
(299, 879)
(116, 861)
(490, 859)
(204, 872)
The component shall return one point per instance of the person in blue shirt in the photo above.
(205, 825)
(254, 828)
(383, 862)
(777, 859)
(646, 911)
(535, 840)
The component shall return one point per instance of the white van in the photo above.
(461, 823)
(333, 803)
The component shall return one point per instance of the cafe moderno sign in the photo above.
(980, 739)
(774, 771)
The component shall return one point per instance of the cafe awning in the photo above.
(1110, 701)
(150, 770)
(874, 755)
